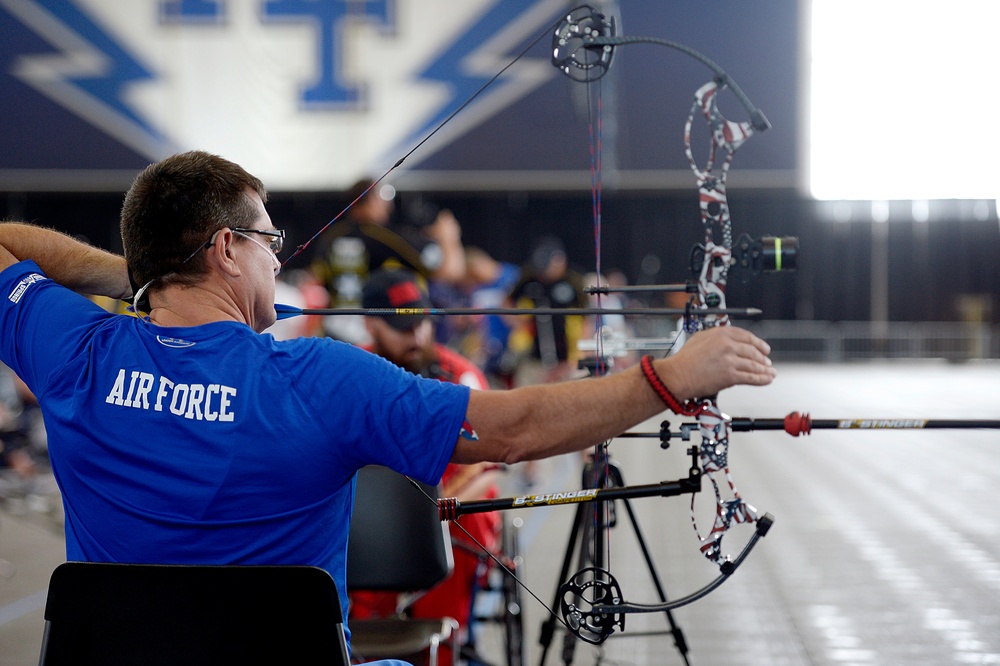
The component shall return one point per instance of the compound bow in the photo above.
(582, 48)
(592, 603)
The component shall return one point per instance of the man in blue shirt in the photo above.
(186, 436)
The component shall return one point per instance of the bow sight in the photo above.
(751, 257)
(769, 253)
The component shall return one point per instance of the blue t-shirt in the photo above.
(212, 444)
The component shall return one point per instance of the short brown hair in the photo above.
(176, 205)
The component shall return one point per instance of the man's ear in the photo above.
(220, 254)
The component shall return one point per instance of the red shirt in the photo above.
(453, 596)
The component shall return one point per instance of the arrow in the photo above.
(286, 311)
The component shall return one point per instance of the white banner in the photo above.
(306, 95)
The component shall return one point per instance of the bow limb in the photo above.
(728, 569)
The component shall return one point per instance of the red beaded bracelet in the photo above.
(668, 398)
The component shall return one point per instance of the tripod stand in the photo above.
(587, 533)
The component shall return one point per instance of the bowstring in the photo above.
(595, 125)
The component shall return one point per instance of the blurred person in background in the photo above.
(487, 283)
(25, 476)
(550, 341)
(428, 241)
(408, 341)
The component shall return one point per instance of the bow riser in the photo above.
(715, 261)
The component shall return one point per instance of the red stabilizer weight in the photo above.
(798, 424)
(447, 508)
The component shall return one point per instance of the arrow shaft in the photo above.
(900, 424)
(288, 311)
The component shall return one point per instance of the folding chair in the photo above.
(118, 614)
(398, 544)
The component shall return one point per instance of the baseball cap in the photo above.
(395, 289)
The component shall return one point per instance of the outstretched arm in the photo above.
(69, 262)
(541, 421)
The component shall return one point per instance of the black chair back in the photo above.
(113, 614)
(397, 540)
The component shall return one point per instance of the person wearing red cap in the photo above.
(408, 341)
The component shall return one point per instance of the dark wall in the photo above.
(930, 265)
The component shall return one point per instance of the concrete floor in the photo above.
(31, 546)
(885, 549)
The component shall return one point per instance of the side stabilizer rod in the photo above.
(796, 424)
